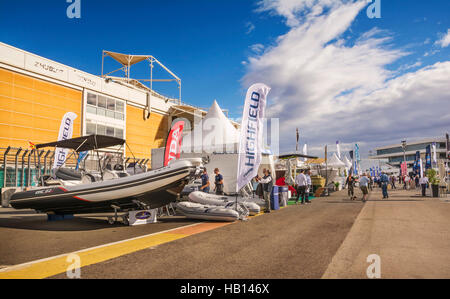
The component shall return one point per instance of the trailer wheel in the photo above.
(125, 220)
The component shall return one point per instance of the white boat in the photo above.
(207, 212)
(220, 200)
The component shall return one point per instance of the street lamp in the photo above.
(404, 153)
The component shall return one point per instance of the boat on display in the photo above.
(207, 212)
(80, 192)
(220, 200)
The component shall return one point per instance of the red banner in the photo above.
(173, 145)
(404, 168)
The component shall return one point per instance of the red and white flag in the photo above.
(173, 145)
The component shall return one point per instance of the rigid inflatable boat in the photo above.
(153, 189)
(72, 192)
(219, 200)
(207, 212)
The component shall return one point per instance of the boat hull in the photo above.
(154, 189)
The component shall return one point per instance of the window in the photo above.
(110, 131)
(91, 128)
(119, 106)
(102, 101)
(101, 130)
(104, 106)
(119, 133)
(92, 99)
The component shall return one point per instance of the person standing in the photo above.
(205, 182)
(218, 182)
(267, 182)
(423, 181)
(301, 182)
(406, 180)
(417, 181)
(370, 182)
(364, 185)
(384, 180)
(350, 182)
(393, 182)
(308, 185)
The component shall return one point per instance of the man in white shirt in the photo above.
(301, 182)
(423, 181)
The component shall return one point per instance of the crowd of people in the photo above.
(367, 182)
(303, 185)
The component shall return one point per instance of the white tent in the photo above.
(215, 133)
(347, 163)
(334, 162)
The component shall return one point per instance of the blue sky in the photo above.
(218, 48)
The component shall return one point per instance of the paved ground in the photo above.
(330, 238)
(410, 234)
(26, 236)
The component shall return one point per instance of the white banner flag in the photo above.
(251, 143)
(65, 132)
(434, 152)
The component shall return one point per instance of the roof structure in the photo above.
(85, 143)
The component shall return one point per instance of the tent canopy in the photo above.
(347, 163)
(85, 143)
(335, 162)
(126, 59)
(215, 132)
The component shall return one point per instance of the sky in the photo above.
(334, 72)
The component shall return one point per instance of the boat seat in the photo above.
(68, 174)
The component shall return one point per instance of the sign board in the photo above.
(142, 217)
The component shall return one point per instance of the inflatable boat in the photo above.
(219, 200)
(152, 189)
(207, 212)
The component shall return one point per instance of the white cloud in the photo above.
(250, 27)
(445, 40)
(334, 91)
(257, 48)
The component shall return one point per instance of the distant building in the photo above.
(395, 153)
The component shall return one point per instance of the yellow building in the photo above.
(36, 92)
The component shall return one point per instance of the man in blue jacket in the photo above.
(384, 179)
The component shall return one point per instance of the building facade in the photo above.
(36, 92)
(395, 154)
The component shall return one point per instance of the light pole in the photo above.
(404, 154)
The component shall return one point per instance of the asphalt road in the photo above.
(295, 242)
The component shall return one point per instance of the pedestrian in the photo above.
(218, 182)
(423, 181)
(308, 185)
(417, 181)
(370, 182)
(267, 182)
(350, 182)
(384, 180)
(363, 185)
(406, 180)
(301, 182)
(205, 181)
(393, 182)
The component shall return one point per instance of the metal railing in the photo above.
(22, 167)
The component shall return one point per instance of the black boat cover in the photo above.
(85, 143)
